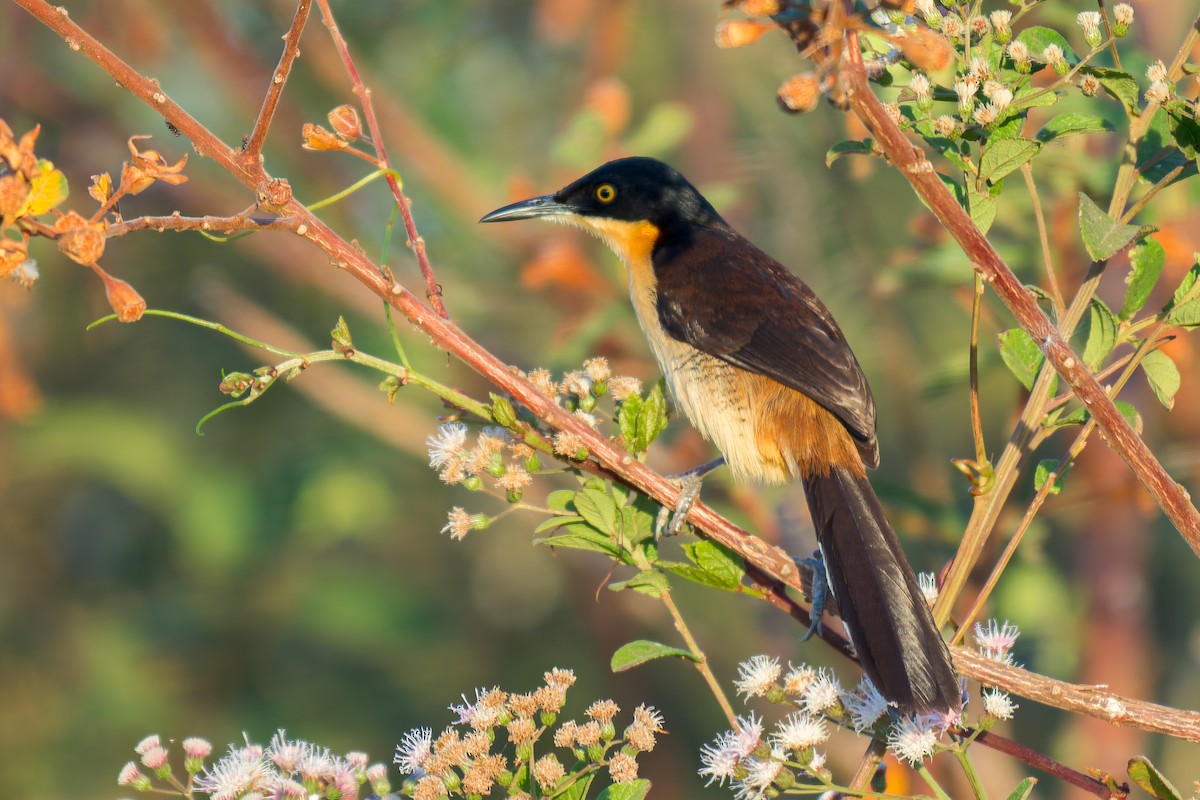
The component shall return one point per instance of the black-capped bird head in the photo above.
(626, 202)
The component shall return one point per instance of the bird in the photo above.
(762, 370)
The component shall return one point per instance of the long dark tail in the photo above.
(885, 613)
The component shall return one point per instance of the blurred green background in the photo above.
(285, 569)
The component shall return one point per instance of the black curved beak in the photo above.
(545, 206)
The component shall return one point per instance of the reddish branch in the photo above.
(771, 567)
(210, 224)
(415, 240)
(252, 151)
(918, 171)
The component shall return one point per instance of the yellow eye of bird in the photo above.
(605, 193)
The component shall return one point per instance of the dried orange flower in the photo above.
(14, 189)
(19, 154)
(800, 93)
(13, 254)
(148, 166)
(926, 50)
(733, 33)
(318, 138)
(759, 8)
(101, 188)
(80, 240)
(123, 298)
(344, 120)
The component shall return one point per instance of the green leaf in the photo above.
(558, 522)
(627, 420)
(581, 537)
(1030, 96)
(1186, 134)
(1103, 236)
(1146, 262)
(851, 147)
(648, 581)
(652, 418)
(1042, 474)
(1021, 355)
(1065, 125)
(1163, 376)
(1185, 287)
(341, 336)
(956, 189)
(638, 652)
(983, 205)
(1147, 776)
(1186, 315)
(47, 189)
(598, 508)
(1120, 86)
(633, 790)
(1023, 790)
(1054, 421)
(1102, 335)
(1038, 38)
(1002, 156)
(503, 413)
(1130, 413)
(1080, 415)
(560, 499)
(712, 565)
(1158, 138)
(577, 790)
(636, 524)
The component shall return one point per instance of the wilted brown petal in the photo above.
(123, 298)
(19, 155)
(148, 166)
(800, 93)
(14, 188)
(12, 255)
(344, 120)
(926, 50)
(101, 188)
(318, 138)
(733, 33)
(80, 240)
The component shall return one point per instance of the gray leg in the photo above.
(690, 483)
(820, 592)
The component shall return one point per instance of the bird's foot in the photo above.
(819, 593)
(672, 522)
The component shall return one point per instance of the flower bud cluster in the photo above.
(764, 764)
(285, 769)
(469, 757)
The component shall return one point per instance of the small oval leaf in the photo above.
(640, 651)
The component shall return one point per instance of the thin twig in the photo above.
(415, 241)
(1056, 294)
(1094, 701)
(176, 222)
(291, 50)
(1048, 765)
(973, 356)
(700, 661)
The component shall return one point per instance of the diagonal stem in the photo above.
(252, 151)
(415, 241)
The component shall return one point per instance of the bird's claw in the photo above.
(820, 593)
(672, 522)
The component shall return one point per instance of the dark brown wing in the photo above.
(725, 297)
